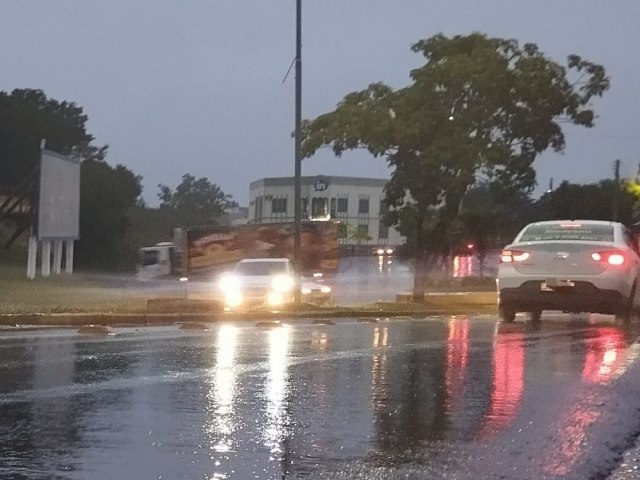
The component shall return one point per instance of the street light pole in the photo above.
(298, 155)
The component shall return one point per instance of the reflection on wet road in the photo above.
(416, 398)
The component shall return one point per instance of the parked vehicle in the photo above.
(572, 266)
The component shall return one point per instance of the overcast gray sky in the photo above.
(196, 85)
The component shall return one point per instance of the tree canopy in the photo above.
(106, 195)
(26, 117)
(196, 201)
(592, 201)
(480, 109)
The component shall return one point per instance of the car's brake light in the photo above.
(509, 256)
(612, 258)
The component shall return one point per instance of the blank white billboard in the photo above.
(59, 203)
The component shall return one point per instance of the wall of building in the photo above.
(354, 201)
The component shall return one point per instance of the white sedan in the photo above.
(572, 266)
(267, 282)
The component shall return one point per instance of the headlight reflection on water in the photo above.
(222, 424)
(276, 389)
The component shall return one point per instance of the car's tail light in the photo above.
(612, 257)
(510, 256)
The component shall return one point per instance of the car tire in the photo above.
(535, 316)
(506, 314)
(624, 314)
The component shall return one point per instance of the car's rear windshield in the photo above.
(572, 232)
(261, 268)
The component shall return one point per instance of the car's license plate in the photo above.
(552, 284)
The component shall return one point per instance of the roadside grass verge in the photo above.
(113, 294)
(61, 294)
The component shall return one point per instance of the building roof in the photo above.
(330, 179)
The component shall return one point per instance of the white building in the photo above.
(355, 202)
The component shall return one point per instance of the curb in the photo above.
(151, 319)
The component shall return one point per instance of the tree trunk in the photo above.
(481, 257)
(423, 269)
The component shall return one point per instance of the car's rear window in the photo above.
(261, 268)
(573, 232)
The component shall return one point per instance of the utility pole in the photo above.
(616, 188)
(298, 157)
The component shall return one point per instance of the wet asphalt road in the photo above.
(449, 398)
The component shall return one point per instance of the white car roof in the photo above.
(583, 222)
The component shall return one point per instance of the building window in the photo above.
(383, 231)
(363, 205)
(343, 232)
(304, 207)
(362, 234)
(383, 207)
(279, 205)
(319, 207)
(343, 205)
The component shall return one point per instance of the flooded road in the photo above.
(434, 398)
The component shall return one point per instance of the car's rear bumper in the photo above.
(582, 297)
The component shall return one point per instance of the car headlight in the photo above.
(325, 289)
(380, 251)
(233, 298)
(229, 284)
(282, 283)
(305, 290)
(275, 298)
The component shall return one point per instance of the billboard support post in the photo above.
(57, 256)
(68, 263)
(46, 258)
(31, 259)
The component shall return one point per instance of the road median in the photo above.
(175, 310)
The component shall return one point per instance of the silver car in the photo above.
(572, 266)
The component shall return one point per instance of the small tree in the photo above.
(195, 201)
(359, 235)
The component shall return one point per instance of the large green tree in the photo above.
(106, 195)
(26, 117)
(196, 201)
(479, 109)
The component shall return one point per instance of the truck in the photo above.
(196, 251)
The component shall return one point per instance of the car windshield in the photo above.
(261, 268)
(148, 257)
(571, 232)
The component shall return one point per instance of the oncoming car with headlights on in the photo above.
(571, 266)
(257, 282)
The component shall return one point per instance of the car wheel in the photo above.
(535, 315)
(625, 312)
(507, 315)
